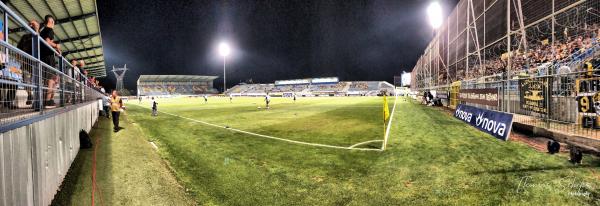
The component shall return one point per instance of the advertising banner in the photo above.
(441, 94)
(588, 101)
(479, 96)
(534, 94)
(498, 124)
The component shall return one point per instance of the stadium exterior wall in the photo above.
(36, 157)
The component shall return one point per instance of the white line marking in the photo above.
(270, 137)
(154, 145)
(387, 131)
(367, 142)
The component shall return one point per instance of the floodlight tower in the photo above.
(224, 51)
(119, 74)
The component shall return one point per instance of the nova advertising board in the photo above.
(498, 124)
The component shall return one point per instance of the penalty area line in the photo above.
(271, 137)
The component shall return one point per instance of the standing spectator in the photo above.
(25, 44)
(76, 70)
(47, 56)
(106, 105)
(116, 104)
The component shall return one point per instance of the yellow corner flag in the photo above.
(386, 110)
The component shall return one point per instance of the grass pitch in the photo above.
(431, 157)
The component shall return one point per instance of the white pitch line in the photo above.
(270, 137)
(387, 131)
(367, 142)
(154, 145)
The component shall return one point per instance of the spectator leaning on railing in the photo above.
(26, 46)
(47, 56)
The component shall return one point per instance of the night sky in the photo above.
(271, 39)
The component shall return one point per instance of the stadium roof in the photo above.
(174, 78)
(77, 28)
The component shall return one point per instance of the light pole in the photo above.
(224, 51)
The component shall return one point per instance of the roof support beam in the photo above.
(78, 38)
(91, 57)
(80, 50)
(92, 63)
(96, 65)
(94, 68)
(58, 21)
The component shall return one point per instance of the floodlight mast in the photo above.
(120, 75)
(224, 51)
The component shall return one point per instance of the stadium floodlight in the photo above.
(224, 51)
(434, 12)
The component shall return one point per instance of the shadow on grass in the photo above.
(77, 185)
(535, 169)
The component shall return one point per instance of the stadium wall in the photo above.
(36, 157)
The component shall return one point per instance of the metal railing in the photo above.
(30, 87)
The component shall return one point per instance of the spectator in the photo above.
(105, 105)
(76, 70)
(116, 104)
(82, 65)
(25, 44)
(47, 56)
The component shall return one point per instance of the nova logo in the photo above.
(466, 116)
(490, 125)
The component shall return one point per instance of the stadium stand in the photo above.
(45, 104)
(308, 88)
(165, 85)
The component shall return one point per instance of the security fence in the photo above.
(30, 87)
(486, 38)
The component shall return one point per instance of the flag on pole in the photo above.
(386, 110)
